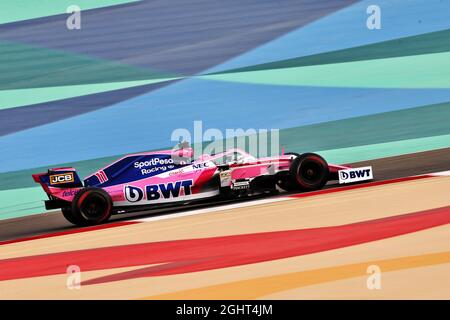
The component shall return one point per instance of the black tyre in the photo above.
(91, 206)
(309, 171)
(285, 180)
(292, 154)
(67, 213)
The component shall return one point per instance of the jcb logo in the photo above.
(62, 178)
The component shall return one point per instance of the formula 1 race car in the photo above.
(154, 179)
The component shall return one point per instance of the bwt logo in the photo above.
(168, 190)
(156, 191)
(61, 178)
(357, 174)
(133, 194)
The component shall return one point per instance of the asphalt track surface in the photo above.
(384, 169)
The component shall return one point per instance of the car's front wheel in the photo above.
(309, 171)
(285, 180)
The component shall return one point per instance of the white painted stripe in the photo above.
(440, 174)
(214, 209)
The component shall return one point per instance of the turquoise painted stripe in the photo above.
(410, 72)
(429, 71)
(24, 97)
(387, 149)
(346, 28)
(25, 66)
(21, 202)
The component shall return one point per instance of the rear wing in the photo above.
(66, 177)
(57, 179)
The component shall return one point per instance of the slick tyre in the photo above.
(285, 180)
(67, 213)
(309, 171)
(91, 206)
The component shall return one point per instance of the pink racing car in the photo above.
(154, 179)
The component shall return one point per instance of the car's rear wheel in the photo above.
(90, 206)
(309, 171)
(67, 213)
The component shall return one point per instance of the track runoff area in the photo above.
(386, 239)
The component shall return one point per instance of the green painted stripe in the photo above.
(31, 68)
(18, 10)
(388, 149)
(433, 42)
(25, 66)
(420, 71)
(399, 125)
(419, 122)
(21, 202)
(23, 97)
(27, 201)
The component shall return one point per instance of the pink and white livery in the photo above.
(168, 177)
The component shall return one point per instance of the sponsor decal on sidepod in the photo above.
(157, 191)
(155, 164)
